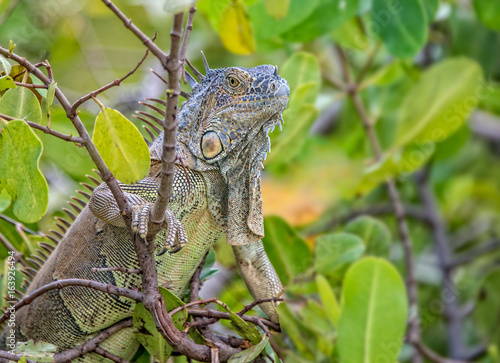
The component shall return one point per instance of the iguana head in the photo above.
(229, 106)
(224, 125)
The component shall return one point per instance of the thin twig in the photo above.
(18, 256)
(208, 313)
(120, 269)
(19, 225)
(137, 32)
(30, 85)
(13, 357)
(45, 129)
(368, 63)
(93, 343)
(250, 306)
(429, 354)
(109, 355)
(453, 318)
(470, 256)
(106, 175)
(60, 284)
(115, 83)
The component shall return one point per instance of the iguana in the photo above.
(222, 140)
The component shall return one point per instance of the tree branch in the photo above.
(411, 284)
(99, 286)
(137, 32)
(93, 343)
(45, 129)
(13, 357)
(116, 82)
(106, 175)
(453, 318)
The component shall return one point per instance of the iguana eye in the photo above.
(233, 82)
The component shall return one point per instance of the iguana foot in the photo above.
(176, 235)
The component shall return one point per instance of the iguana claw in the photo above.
(176, 235)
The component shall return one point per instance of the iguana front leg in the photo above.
(259, 275)
(140, 197)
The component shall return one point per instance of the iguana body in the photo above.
(222, 139)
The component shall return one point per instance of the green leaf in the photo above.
(384, 76)
(328, 15)
(21, 103)
(288, 252)
(145, 328)
(235, 29)
(374, 312)
(244, 329)
(488, 12)
(374, 234)
(277, 8)
(40, 352)
(401, 25)
(6, 67)
(351, 35)
(6, 82)
(487, 311)
(335, 250)
(248, 355)
(5, 200)
(267, 27)
(299, 69)
(439, 102)
(121, 145)
(328, 299)
(20, 175)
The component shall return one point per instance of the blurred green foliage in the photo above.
(428, 74)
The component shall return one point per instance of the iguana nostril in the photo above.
(273, 86)
(211, 145)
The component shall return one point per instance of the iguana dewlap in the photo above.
(222, 140)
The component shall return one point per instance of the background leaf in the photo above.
(335, 250)
(488, 11)
(235, 29)
(328, 15)
(288, 252)
(374, 233)
(402, 26)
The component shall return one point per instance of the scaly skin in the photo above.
(222, 140)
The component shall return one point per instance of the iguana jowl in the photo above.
(222, 140)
